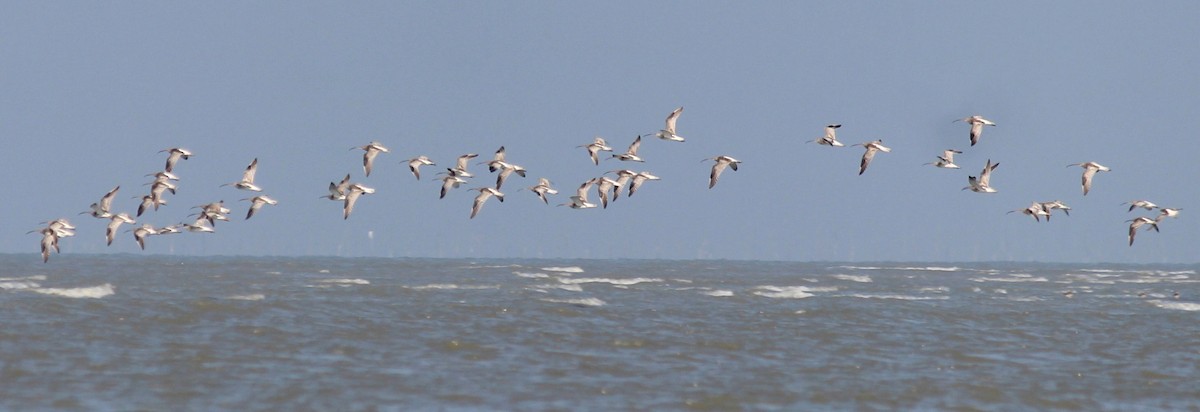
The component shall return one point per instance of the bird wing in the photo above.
(1087, 179)
(633, 147)
(671, 118)
(248, 175)
(716, 173)
(866, 159)
(976, 130)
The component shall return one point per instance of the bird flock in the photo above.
(608, 189)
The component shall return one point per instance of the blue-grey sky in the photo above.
(92, 91)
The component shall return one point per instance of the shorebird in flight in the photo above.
(872, 147)
(1057, 204)
(1035, 210)
(257, 202)
(460, 168)
(603, 187)
(977, 122)
(175, 153)
(115, 223)
(149, 201)
(639, 179)
(450, 181)
(830, 138)
(721, 162)
(598, 145)
(1168, 212)
(370, 150)
(142, 232)
(1089, 170)
(1139, 222)
(946, 160)
(353, 192)
(1144, 204)
(630, 155)
(102, 209)
(484, 194)
(247, 182)
(580, 200)
(668, 133)
(337, 191)
(198, 226)
(415, 164)
(983, 183)
(54, 230)
(623, 178)
(497, 161)
(542, 189)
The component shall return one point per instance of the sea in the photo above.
(131, 332)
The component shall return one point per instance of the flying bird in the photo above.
(257, 202)
(450, 181)
(352, 194)
(946, 160)
(983, 183)
(639, 179)
(484, 194)
(598, 145)
(460, 168)
(142, 232)
(1139, 222)
(102, 209)
(872, 148)
(174, 154)
(1144, 204)
(247, 182)
(604, 187)
(1057, 204)
(1089, 171)
(580, 200)
(630, 154)
(668, 133)
(370, 151)
(415, 164)
(114, 224)
(1168, 212)
(830, 138)
(977, 122)
(1035, 210)
(542, 189)
(337, 191)
(721, 162)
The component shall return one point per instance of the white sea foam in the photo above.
(1025, 299)
(256, 296)
(1186, 306)
(936, 289)
(533, 275)
(566, 287)
(94, 292)
(1000, 291)
(784, 292)
(445, 286)
(274, 272)
(323, 271)
(1012, 279)
(719, 293)
(578, 302)
(34, 277)
(346, 282)
(898, 297)
(16, 285)
(854, 278)
(619, 282)
(567, 269)
(921, 268)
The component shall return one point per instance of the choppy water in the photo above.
(132, 332)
